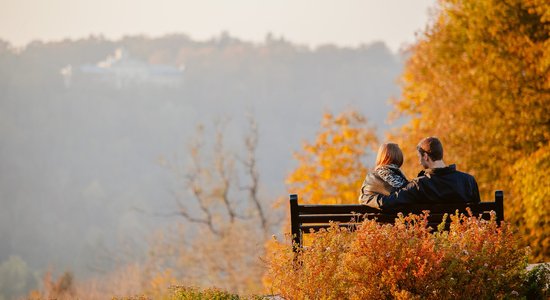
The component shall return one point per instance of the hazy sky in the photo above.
(310, 22)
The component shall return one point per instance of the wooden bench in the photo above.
(308, 217)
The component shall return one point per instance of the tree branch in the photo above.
(224, 167)
(251, 143)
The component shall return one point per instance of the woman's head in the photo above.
(389, 153)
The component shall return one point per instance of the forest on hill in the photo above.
(84, 124)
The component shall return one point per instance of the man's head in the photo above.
(430, 152)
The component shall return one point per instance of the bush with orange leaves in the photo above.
(407, 260)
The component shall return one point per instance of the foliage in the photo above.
(177, 292)
(530, 204)
(230, 261)
(62, 288)
(331, 169)
(474, 259)
(16, 278)
(479, 78)
(118, 284)
(538, 282)
(224, 221)
(120, 131)
(190, 293)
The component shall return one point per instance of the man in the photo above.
(437, 183)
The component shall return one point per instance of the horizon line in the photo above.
(224, 33)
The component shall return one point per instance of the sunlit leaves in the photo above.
(330, 170)
(532, 186)
(475, 259)
(480, 80)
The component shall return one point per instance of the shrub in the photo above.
(475, 258)
(191, 293)
(537, 282)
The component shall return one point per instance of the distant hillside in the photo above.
(83, 122)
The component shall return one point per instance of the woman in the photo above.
(386, 177)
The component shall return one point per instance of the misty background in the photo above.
(84, 124)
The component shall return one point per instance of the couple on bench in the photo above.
(387, 187)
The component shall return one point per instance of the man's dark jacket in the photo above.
(439, 185)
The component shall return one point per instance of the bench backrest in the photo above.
(306, 217)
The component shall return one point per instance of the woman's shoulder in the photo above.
(374, 183)
(391, 174)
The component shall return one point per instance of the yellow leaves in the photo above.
(331, 169)
(403, 260)
(532, 190)
(349, 133)
(479, 79)
(161, 281)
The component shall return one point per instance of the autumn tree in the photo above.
(479, 79)
(61, 288)
(16, 278)
(223, 218)
(331, 169)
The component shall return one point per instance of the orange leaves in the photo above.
(474, 260)
(331, 169)
(160, 281)
(479, 79)
(531, 182)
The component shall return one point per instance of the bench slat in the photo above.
(336, 209)
(326, 218)
(382, 218)
(413, 208)
(346, 218)
(353, 226)
(315, 216)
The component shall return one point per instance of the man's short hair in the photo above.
(432, 146)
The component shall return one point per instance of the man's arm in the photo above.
(406, 195)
